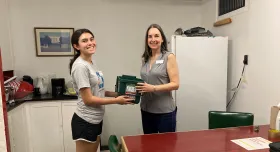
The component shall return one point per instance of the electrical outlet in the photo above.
(245, 60)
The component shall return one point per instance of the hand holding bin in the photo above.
(125, 85)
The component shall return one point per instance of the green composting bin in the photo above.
(125, 85)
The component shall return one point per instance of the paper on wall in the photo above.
(252, 143)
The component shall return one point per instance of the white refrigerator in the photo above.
(202, 63)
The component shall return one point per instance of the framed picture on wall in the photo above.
(53, 41)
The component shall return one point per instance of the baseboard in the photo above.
(104, 147)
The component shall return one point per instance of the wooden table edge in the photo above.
(124, 148)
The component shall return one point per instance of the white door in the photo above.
(68, 109)
(11, 135)
(18, 130)
(202, 65)
(45, 128)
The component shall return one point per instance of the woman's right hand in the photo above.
(124, 100)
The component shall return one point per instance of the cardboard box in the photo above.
(273, 117)
(274, 132)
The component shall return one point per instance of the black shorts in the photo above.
(83, 130)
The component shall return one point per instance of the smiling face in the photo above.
(154, 39)
(86, 44)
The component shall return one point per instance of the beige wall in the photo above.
(254, 32)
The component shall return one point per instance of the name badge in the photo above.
(159, 61)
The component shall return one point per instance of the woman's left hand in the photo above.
(144, 87)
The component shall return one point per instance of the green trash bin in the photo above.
(125, 85)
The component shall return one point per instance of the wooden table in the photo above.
(216, 140)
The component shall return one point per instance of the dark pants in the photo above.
(158, 123)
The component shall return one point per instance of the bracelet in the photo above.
(154, 88)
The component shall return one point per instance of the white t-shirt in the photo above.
(87, 75)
